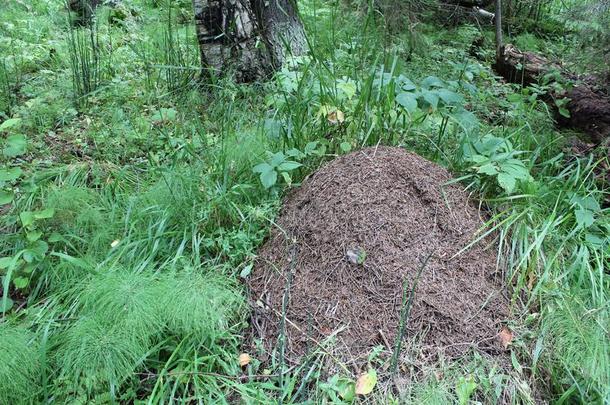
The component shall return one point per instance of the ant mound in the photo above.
(352, 243)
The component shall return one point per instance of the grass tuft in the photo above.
(20, 365)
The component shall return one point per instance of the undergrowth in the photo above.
(131, 211)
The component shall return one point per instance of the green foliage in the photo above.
(96, 354)
(126, 223)
(85, 62)
(464, 389)
(121, 317)
(578, 335)
(279, 164)
(21, 267)
(496, 158)
(21, 367)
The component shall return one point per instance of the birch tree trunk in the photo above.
(251, 37)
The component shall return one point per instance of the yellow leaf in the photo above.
(336, 117)
(244, 359)
(366, 382)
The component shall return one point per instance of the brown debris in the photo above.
(396, 208)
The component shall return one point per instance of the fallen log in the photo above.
(588, 105)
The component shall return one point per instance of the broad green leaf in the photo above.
(6, 304)
(6, 197)
(431, 98)
(516, 365)
(348, 87)
(564, 112)
(310, 147)
(432, 81)
(5, 262)
(405, 84)
(165, 114)
(27, 218)
(594, 239)
(28, 268)
(33, 236)
(465, 119)
(277, 159)
(10, 174)
(295, 153)
(507, 182)
(269, 178)
(345, 147)
(289, 165)
(35, 251)
(489, 169)
(273, 128)
(44, 214)
(15, 146)
(55, 237)
(21, 282)
(479, 159)
(408, 101)
(464, 389)
(10, 123)
(366, 382)
(262, 168)
(287, 178)
(587, 202)
(346, 389)
(514, 97)
(584, 218)
(449, 97)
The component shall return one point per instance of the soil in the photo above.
(348, 239)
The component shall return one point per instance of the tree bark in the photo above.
(250, 37)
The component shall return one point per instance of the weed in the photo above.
(125, 224)
(85, 62)
(21, 368)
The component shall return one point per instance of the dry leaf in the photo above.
(366, 382)
(336, 117)
(244, 359)
(506, 337)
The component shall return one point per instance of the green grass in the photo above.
(154, 214)
(21, 364)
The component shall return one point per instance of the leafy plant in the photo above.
(496, 158)
(465, 388)
(13, 145)
(339, 389)
(19, 268)
(279, 164)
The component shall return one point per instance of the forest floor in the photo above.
(139, 206)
